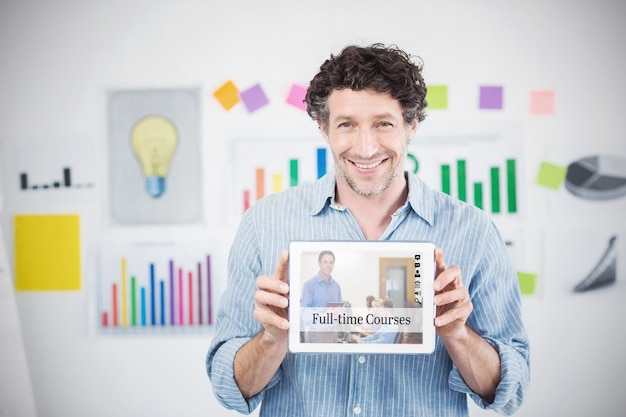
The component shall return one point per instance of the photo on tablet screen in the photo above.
(361, 297)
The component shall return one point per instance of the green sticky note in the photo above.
(527, 282)
(437, 96)
(551, 176)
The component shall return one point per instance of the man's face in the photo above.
(368, 138)
(327, 263)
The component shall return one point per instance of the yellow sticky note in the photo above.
(437, 96)
(527, 282)
(551, 176)
(47, 252)
(227, 95)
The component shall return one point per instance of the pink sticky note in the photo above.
(542, 102)
(254, 98)
(296, 96)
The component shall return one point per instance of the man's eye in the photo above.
(345, 124)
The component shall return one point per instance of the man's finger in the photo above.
(281, 267)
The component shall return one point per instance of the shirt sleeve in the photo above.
(495, 295)
(235, 324)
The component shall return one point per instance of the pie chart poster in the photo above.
(600, 206)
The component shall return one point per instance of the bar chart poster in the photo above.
(482, 166)
(40, 172)
(155, 287)
(263, 166)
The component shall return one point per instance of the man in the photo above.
(317, 293)
(368, 102)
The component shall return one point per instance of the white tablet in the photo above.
(361, 297)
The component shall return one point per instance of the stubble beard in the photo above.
(352, 183)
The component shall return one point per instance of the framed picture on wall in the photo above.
(154, 156)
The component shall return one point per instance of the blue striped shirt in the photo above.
(371, 385)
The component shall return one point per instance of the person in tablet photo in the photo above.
(321, 294)
(368, 102)
(386, 329)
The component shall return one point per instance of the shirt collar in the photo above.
(420, 198)
(318, 279)
(323, 193)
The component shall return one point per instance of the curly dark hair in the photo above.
(385, 69)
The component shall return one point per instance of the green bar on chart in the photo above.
(510, 186)
(293, 172)
(478, 195)
(495, 190)
(461, 178)
(445, 179)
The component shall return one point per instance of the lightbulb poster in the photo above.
(154, 156)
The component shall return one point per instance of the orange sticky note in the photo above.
(227, 95)
(47, 252)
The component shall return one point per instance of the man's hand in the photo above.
(452, 300)
(477, 361)
(271, 300)
(258, 360)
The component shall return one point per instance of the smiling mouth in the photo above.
(368, 166)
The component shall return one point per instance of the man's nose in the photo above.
(366, 143)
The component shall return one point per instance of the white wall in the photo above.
(58, 58)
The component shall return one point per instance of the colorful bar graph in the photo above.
(477, 187)
(479, 164)
(163, 293)
(277, 181)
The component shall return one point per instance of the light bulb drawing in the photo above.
(154, 140)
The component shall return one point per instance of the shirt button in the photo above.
(361, 359)
(357, 410)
